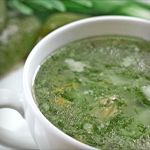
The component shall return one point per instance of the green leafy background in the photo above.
(92, 7)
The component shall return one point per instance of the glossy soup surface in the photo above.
(97, 90)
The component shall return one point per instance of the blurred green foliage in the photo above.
(17, 40)
(2, 14)
(57, 20)
(137, 8)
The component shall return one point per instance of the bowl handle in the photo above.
(17, 140)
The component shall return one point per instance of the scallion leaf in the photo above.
(86, 3)
(21, 7)
(58, 5)
(136, 10)
(44, 3)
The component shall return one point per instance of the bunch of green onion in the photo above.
(138, 8)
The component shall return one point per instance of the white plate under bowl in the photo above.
(10, 119)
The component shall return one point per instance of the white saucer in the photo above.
(10, 119)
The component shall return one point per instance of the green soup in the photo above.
(97, 90)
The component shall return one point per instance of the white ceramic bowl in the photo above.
(45, 134)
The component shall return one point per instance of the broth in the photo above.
(97, 90)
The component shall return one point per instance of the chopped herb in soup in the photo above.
(97, 90)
